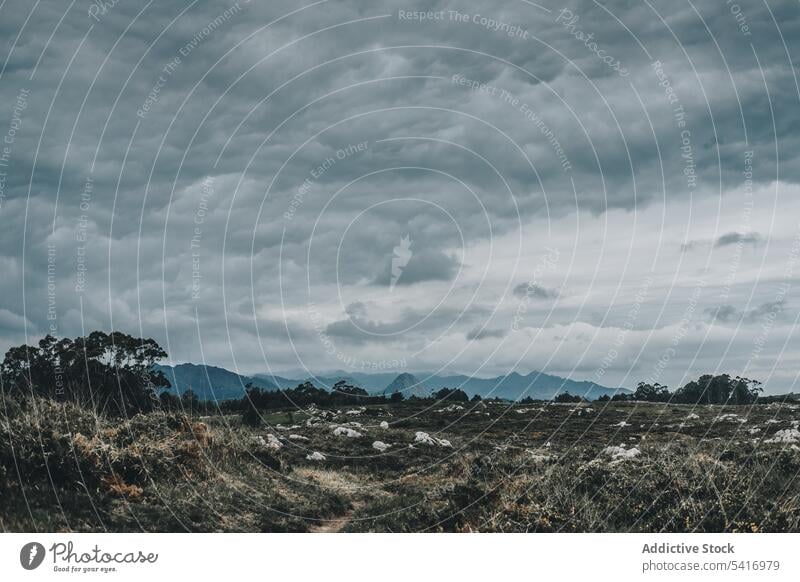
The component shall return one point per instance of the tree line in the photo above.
(113, 373)
(708, 389)
(107, 372)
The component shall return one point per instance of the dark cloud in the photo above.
(482, 333)
(535, 291)
(733, 238)
(728, 314)
(425, 265)
(727, 239)
(328, 135)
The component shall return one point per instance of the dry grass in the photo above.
(549, 468)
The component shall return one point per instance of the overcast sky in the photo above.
(608, 192)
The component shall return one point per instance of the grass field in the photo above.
(405, 467)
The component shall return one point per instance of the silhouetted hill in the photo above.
(408, 385)
(514, 386)
(210, 382)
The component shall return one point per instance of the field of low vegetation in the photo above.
(348, 462)
(405, 467)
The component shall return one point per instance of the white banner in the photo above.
(400, 557)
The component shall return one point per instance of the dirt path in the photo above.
(334, 525)
(339, 483)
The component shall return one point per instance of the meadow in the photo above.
(408, 466)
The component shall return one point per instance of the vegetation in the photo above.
(107, 448)
(708, 389)
(105, 372)
(556, 467)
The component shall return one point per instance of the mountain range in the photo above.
(214, 383)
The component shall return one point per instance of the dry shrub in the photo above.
(68, 445)
(117, 487)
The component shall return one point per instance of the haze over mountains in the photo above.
(211, 382)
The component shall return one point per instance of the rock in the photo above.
(384, 425)
(315, 456)
(620, 453)
(426, 439)
(273, 442)
(297, 437)
(380, 446)
(346, 432)
(788, 435)
(730, 418)
(451, 408)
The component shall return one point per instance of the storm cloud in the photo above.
(236, 180)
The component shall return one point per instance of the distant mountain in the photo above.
(210, 382)
(514, 386)
(408, 385)
(373, 383)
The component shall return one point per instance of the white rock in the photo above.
(426, 439)
(730, 418)
(315, 456)
(788, 435)
(352, 424)
(297, 437)
(692, 416)
(380, 446)
(620, 453)
(273, 442)
(451, 408)
(384, 424)
(621, 423)
(346, 432)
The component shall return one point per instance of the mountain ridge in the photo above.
(213, 382)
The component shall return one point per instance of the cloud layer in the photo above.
(237, 181)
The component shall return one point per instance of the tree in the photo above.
(252, 401)
(567, 397)
(345, 393)
(721, 389)
(189, 401)
(109, 372)
(452, 394)
(651, 392)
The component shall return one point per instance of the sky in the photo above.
(606, 192)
